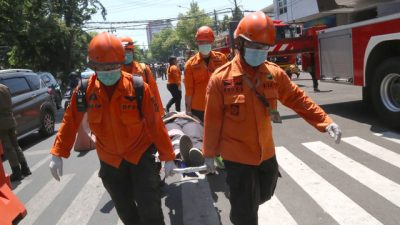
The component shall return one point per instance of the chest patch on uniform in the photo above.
(128, 107)
(233, 85)
(268, 84)
(94, 106)
(235, 109)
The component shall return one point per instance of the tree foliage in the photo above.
(189, 22)
(165, 44)
(45, 35)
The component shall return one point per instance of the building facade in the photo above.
(156, 26)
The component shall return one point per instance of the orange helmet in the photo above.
(105, 49)
(205, 33)
(127, 42)
(256, 27)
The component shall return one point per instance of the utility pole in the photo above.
(215, 22)
(235, 16)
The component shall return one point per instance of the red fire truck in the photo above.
(365, 54)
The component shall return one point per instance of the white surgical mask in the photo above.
(255, 57)
(205, 49)
(110, 77)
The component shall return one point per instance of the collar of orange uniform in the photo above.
(239, 67)
(198, 58)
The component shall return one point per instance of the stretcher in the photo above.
(189, 169)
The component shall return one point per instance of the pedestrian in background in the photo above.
(198, 70)
(241, 103)
(174, 84)
(8, 137)
(127, 136)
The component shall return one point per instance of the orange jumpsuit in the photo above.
(174, 75)
(197, 75)
(136, 68)
(237, 125)
(120, 131)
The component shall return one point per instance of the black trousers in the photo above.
(176, 97)
(135, 190)
(249, 187)
(199, 114)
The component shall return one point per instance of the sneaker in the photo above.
(185, 144)
(220, 163)
(196, 157)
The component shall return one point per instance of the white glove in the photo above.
(334, 131)
(210, 165)
(56, 167)
(169, 166)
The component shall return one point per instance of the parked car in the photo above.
(52, 83)
(33, 106)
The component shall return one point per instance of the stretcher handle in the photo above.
(189, 169)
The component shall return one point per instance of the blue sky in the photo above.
(133, 10)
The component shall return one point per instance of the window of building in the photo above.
(282, 6)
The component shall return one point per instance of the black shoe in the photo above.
(185, 144)
(16, 174)
(25, 169)
(196, 157)
(317, 90)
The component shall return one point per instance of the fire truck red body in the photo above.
(365, 54)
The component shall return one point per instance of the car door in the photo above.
(21, 98)
(39, 96)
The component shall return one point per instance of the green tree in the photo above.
(165, 44)
(189, 22)
(46, 35)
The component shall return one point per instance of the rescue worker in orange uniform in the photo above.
(198, 70)
(134, 67)
(241, 101)
(125, 141)
(174, 84)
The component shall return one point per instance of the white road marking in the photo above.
(332, 200)
(391, 136)
(376, 182)
(41, 200)
(274, 212)
(22, 185)
(40, 163)
(83, 206)
(374, 150)
(37, 152)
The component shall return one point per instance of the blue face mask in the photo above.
(128, 58)
(205, 49)
(255, 57)
(109, 78)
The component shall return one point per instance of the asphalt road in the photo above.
(354, 182)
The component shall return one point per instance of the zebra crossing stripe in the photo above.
(391, 136)
(274, 212)
(37, 152)
(376, 182)
(374, 150)
(40, 201)
(22, 185)
(40, 163)
(332, 200)
(83, 206)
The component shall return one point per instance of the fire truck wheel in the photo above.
(386, 91)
